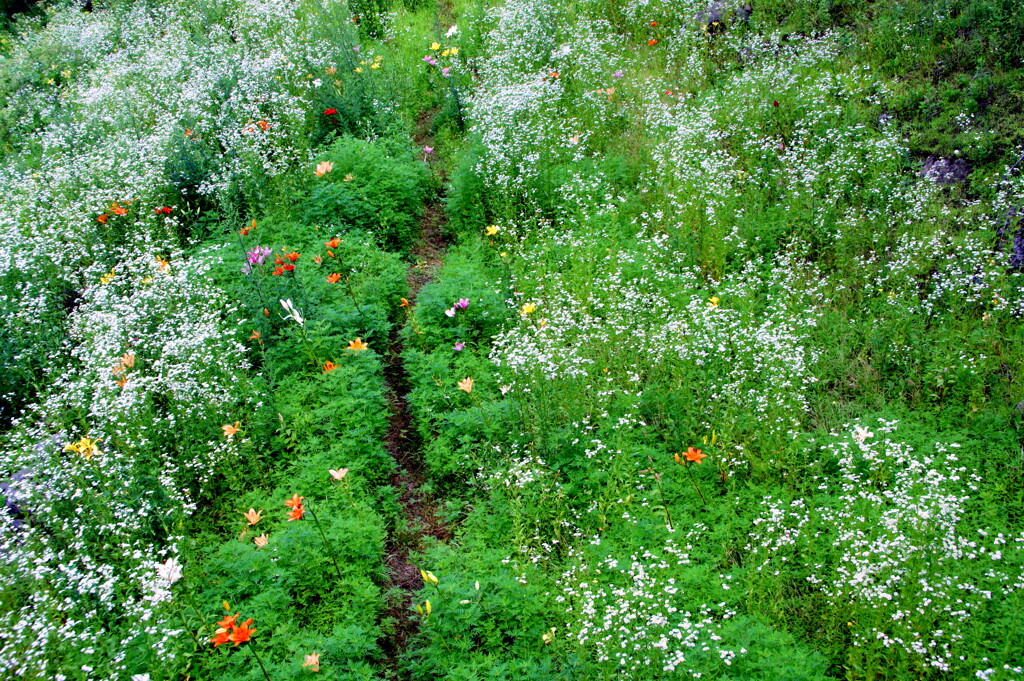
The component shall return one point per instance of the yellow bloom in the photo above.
(375, 65)
(454, 51)
(713, 301)
(529, 308)
(492, 230)
(446, 53)
(85, 446)
(108, 277)
(466, 384)
(359, 69)
(428, 577)
(435, 46)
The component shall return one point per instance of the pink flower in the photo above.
(617, 74)
(450, 312)
(462, 304)
(459, 346)
(446, 71)
(428, 150)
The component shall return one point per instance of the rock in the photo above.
(714, 13)
(945, 170)
(9, 492)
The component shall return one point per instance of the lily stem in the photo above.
(327, 545)
(259, 661)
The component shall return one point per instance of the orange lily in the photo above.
(357, 344)
(228, 622)
(695, 455)
(329, 366)
(223, 636)
(242, 632)
(333, 278)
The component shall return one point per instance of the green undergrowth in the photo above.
(745, 359)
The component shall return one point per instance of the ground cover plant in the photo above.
(536, 339)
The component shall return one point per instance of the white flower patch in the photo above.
(891, 546)
(627, 612)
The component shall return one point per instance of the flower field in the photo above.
(512, 339)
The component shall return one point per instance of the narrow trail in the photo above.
(419, 510)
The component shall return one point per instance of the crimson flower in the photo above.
(330, 112)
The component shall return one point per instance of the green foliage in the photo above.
(375, 186)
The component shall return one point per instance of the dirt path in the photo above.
(420, 519)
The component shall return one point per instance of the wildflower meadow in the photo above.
(512, 339)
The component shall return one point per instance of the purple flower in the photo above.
(430, 60)
(355, 49)
(258, 255)
(462, 304)
(459, 346)
(428, 150)
(617, 74)
(446, 71)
